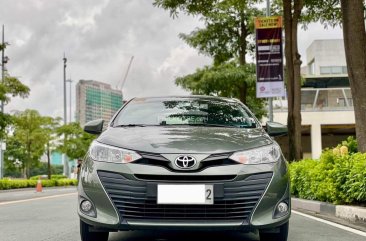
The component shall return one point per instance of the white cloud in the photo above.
(99, 38)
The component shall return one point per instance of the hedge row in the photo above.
(337, 177)
(23, 183)
(45, 176)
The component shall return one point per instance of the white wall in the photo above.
(316, 119)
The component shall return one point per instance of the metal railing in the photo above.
(320, 99)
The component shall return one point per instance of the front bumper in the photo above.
(124, 197)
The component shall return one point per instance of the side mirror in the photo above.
(94, 127)
(276, 129)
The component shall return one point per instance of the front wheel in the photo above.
(86, 235)
(278, 236)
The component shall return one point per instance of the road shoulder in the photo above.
(350, 216)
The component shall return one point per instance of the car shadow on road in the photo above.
(181, 236)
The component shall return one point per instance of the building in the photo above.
(96, 100)
(326, 101)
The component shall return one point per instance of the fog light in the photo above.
(282, 207)
(86, 206)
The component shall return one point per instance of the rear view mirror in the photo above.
(94, 127)
(276, 129)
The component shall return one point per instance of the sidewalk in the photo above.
(352, 216)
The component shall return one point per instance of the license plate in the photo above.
(185, 194)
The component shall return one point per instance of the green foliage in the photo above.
(10, 87)
(29, 138)
(77, 140)
(41, 169)
(340, 179)
(24, 183)
(53, 177)
(328, 12)
(351, 144)
(224, 80)
(226, 37)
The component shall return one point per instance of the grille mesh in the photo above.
(135, 201)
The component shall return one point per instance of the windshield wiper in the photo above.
(131, 125)
(213, 125)
(222, 125)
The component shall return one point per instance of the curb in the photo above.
(349, 213)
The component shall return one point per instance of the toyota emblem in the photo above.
(185, 162)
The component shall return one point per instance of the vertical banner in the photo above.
(269, 54)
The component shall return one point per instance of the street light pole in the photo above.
(3, 61)
(70, 82)
(2, 64)
(2, 103)
(65, 159)
(270, 100)
(65, 65)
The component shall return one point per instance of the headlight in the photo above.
(105, 153)
(262, 155)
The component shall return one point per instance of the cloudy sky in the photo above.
(99, 37)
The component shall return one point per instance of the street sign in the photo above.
(269, 52)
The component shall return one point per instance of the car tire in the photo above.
(278, 236)
(86, 235)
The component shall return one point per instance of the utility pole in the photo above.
(270, 100)
(65, 159)
(65, 65)
(69, 81)
(3, 61)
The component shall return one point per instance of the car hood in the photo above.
(166, 140)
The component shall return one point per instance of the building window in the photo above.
(333, 70)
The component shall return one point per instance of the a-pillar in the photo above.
(316, 140)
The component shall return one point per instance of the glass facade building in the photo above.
(96, 100)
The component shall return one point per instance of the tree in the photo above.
(354, 35)
(292, 14)
(15, 151)
(221, 80)
(30, 135)
(225, 37)
(77, 140)
(50, 126)
(330, 13)
(9, 87)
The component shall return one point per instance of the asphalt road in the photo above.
(38, 217)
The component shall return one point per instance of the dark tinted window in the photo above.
(184, 112)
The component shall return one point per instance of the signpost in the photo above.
(269, 53)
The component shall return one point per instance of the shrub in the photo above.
(53, 177)
(24, 183)
(333, 178)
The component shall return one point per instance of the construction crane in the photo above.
(126, 74)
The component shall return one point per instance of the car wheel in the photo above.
(86, 235)
(278, 236)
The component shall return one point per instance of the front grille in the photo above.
(184, 178)
(136, 200)
(221, 159)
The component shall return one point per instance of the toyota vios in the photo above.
(184, 163)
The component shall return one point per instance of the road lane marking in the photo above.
(37, 198)
(352, 230)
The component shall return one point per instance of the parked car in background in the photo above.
(192, 163)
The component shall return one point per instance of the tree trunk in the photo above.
(243, 92)
(242, 61)
(48, 161)
(292, 14)
(354, 42)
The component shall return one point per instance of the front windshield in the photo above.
(184, 112)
